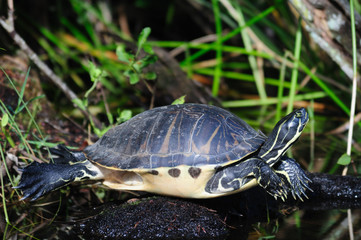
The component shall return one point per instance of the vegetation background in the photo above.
(119, 58)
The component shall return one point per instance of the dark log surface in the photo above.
(170, 218)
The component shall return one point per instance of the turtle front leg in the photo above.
(295, 176)
(245, 175)
(268, 179)
(38, 179)
(231, 179)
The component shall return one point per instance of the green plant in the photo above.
(135, 63)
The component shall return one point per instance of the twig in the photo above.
(204, 39)
(345, 126)
(353, 108)
(8, 25)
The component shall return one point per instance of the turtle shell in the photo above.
(170, 136)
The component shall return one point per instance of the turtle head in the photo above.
(285, 133)
(292, 125)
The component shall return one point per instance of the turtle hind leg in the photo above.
(269, 179)
(37, 179)
(295, 176)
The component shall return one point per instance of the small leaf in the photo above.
(110, 118)
(148, 49)
(150, 76)
(4, 120)
(133, 78)
(97, 132)
(123, 55)
(103, 131)
(124, 115)
(143, 36)
(138, 65)
(94, 72)
(150, 59)
(179, 100)
(79, 103)
(144, 62)
(345, 159)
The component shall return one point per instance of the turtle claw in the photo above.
(295, 177)
(64, 155)
(270, 181)
(299, 186)
(32, 184)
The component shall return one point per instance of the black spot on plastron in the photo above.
(174, 172)
(194, 172)
(154, 172)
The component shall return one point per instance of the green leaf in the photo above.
(150, 76)
(78, 102)
(123, 55)
(148, 49)
(149, 59)
(94, 72)
(143, 37)
(345, 159)
(4, 120)
(138, 65)
(133, 78)
(97, 132)
(110, 118)
(21, 97)
(19, 109)
(146, 61)
(124, 115)
(179, 100)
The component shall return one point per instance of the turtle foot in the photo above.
(36, 180)
(296, 178)
(270, 181)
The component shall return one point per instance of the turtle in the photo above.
(186, 150)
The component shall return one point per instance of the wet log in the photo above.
(170, 218)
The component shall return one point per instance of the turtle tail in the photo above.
(38, 179)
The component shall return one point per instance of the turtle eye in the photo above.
(298, 114)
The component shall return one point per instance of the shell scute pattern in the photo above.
(188, 134)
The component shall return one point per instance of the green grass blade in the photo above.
(252, 60)
(233, 33)
(325, 88)
(218, 67)
(295, 70)
(74, 31)
(23, 88)
(272, 100)
(280, 89)
(241, 76)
